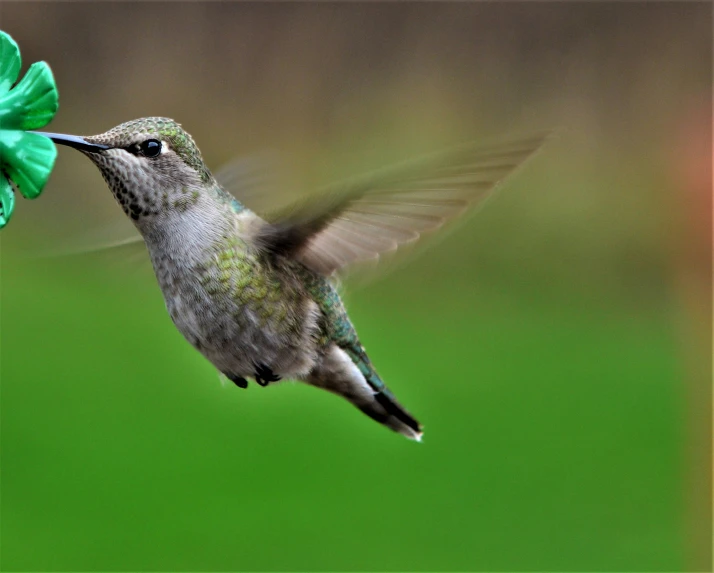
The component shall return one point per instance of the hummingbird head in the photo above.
(151, 165)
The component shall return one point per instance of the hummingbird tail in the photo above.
(339, 374)
(386, 410)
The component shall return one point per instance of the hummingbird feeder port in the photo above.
(26, 159)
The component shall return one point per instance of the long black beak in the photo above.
(74, 141)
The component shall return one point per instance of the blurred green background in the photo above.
(554, 346)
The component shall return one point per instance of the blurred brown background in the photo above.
(339, 88)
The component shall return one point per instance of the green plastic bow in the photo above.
(26, 159)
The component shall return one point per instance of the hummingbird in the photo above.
(258, 294)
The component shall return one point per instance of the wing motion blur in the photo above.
(367, 217)
(362, 219)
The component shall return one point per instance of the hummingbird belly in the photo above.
(242, 313)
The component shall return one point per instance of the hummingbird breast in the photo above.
(242, 308)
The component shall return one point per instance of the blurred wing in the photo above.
(368, 217)
(116, 242)
(254, 182)
(129, 249)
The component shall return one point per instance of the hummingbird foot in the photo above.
(237, 380)
(264, 375)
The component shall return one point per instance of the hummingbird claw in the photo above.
(238, 380)
(264, 375)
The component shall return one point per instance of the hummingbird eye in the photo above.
(150, 148)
